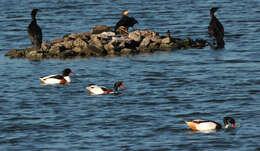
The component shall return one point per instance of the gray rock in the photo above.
(145, 42)
(78, 49)
(68, 54)
(34, 55)
(84, 36)
(123, 31)
(68, 44)
(94, 41)
(110, 45)
(95, 51)
(166, 40)
(73, 36)
(126, 51)
(16, 53)
(106, 35)
(135, 35)
(149, 33)
(80, 43)
(46, 45)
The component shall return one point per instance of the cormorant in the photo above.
(126, 21)
(34, 30)
(216, 29)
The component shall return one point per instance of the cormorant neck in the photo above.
(212, 14)
(33, 18)
(115, 88)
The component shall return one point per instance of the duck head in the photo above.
(67, 72)
(230, 120)
(118, 84)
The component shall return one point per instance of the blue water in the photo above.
(162, 89)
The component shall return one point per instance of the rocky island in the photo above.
(102, 41)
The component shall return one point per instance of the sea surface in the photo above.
(162, 89)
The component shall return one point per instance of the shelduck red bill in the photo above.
(122, 86)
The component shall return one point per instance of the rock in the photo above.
(55, 41)
(94, 41)
(68, 54)
(84, 36)
(56, 49)
(154, 45)
(16, 53)
(110, 45)
(78, 49)
(145, 42)
(28, 50)
(73, 36)
(102, 41)
(106, 35)
(34, 55)
(165, 47)
(123, 31)
(131, 44)
(95, 51)
(126, 51)
(80, 43)
(68, 44)
(99, 29)
(46, 45)
(135, 35)
(122, 45)
(166, 40)
(149, 33)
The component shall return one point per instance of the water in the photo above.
(163, 89)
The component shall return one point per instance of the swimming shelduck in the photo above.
(57, 78)
(205, 125)
(97, 90)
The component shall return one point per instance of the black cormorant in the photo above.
(34, 30)
(126, 21)
(216, 29)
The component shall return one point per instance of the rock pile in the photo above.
(102, 42)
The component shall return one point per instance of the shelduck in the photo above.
(57, 78)
(98, 90)
(206, 125)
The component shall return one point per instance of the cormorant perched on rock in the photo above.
(34, 31)
(126, 21)
(216, 29)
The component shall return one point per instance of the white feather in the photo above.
(67, 78)
(205, 126)
(51, 81)
(95, 89)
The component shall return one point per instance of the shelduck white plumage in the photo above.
(206, 125)
(98, 90)
(57, 78)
